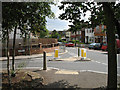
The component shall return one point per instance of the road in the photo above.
(98, 61)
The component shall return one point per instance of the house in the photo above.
(68, 35)
(80, 35)
(89, 35)
(76, 36)
(100, 33)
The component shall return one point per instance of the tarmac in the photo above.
(59, 78)
(31, 56)
(54, 78)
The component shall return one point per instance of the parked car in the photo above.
(91, 46)
(69, 44)
(97, 46)
(104, 47)
(60, 43)
(118, 45)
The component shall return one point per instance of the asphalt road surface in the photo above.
(98, 61)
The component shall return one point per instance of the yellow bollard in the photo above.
(82, 52)
(85, 53)
(56, 53)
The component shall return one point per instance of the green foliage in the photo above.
(73, 14)
(43, 33)
(27, 16)
(55, 34)
(75, 41)
(20, 66)
(13, 72)
(59, 40)
(64, 41)
(73, 11)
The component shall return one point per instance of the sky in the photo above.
(57, 24)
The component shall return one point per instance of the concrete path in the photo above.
(54, 78)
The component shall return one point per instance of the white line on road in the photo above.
(99, 62)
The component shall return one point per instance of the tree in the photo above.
(73, 14)
(101, 13)
(25, 16)
(43, 33)
(55, 34)
(112, 57)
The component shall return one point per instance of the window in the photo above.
(97, 28)
(87, 31)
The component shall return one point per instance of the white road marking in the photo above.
(102, 63)
(99, 62)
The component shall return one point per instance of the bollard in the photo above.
(44, 61)
(83, 53)
(56, 53)
(78, 51)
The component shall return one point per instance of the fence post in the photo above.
(44, 61)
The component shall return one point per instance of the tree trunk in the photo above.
(25, 39)
(13, 56)
(112, 57)
(117, 27)
(8, 59)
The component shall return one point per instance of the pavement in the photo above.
(54, 78)
(31, 56)
(75, 59)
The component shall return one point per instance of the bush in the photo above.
(75, 41)
(64, 41)
(59, 40)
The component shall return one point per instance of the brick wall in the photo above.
(26, 51)
(33, 50)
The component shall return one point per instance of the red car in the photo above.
(69, 45)
(104, 46)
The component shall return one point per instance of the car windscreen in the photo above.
(105, 44)
(97, 44)
(92, 44)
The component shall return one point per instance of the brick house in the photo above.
(80, 35)
(100, 33)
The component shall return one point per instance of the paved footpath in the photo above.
(54, 78)
(31, 56)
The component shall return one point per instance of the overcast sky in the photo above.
(58, 24)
